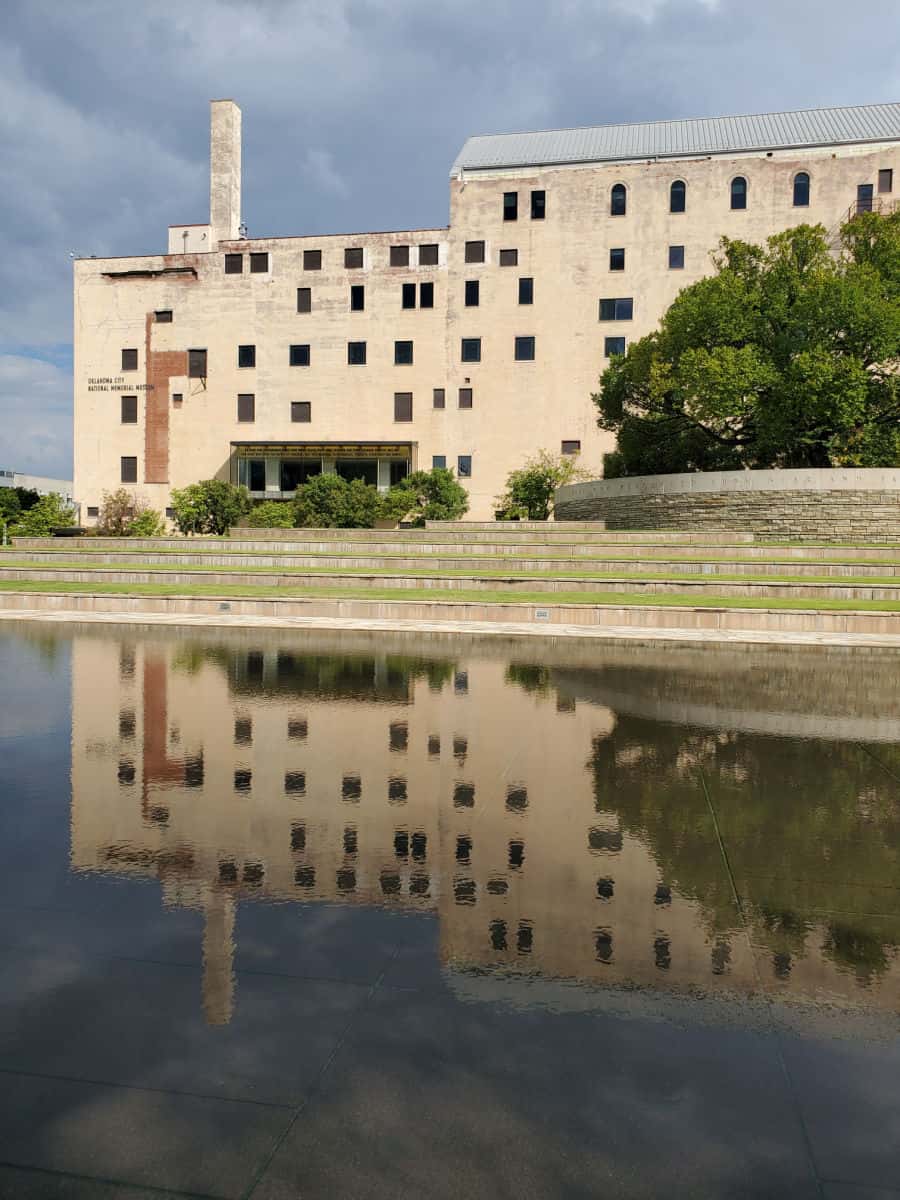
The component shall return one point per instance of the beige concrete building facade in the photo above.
(474, 345)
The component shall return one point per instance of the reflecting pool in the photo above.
(296, 915)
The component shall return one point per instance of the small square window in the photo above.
(509, 258)
(353, 258)
(426, 295)
(403, 406)
(472, 293)
(299, 355)
(170, 514)
(128, 469)
(886, 180)
(676, 258)
(312, 260)
(356, 354)
(470, 350)
(246, 407)
(510, 206)
(93, 510)
(129, 410)
(613, 345)
(538, 206)
(246, 356)
(474, 252)
(571, 447)
(617, 259)
(465, 397)
(163, 316)
(301, 412)
(304, 300)
(177, 399)
(620, 309)
(524, 349)
(526, 290)
(439, 398)
(129, 360)
(259, 262)
(464, 466)
(428, 255)
(399, 256)
(437, 461)
(403, 354)
(196, 364)
(409, 295)
(234, 264)
(357, 298)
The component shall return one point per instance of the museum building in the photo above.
(471, 345)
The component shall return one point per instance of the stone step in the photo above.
(549, 527)
(505, 532)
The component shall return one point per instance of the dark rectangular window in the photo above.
(246, 356)
(177, 399)
(170, 514)
(399, 256)
(93, 510)
(465, 397)
(886, 179)
(196, 364)
(246, 407)
(299, 355)
(471, 350)
(510, 206)
(526, 291)
(356, 354)
(256, 474)
(676, 258)
(509, 258)
(353, 257)
(437, 460)
(524, 349)
(128, 469)
(426, 295)
(129, 410)
(474, 252)
(464, 466)
(357, 297)
(234, 264)
(409, 295)
(163, 316)
(617, 259)
(864, 193)
(259, 262)
(304, 299)
(403, 406)
(439, 398)
(613, 345)
(403, 354)
(301, 412)
(312, 260)
(620, 309)
(129, 360)
(538, 206)
(428, 255)
(571, 447)
(471, 293)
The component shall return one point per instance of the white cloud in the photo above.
(35, 417)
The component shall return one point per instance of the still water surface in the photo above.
(478, 918)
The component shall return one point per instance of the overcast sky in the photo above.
(353, 111)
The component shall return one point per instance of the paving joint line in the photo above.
(150, 1188)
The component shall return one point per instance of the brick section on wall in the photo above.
(160, 367)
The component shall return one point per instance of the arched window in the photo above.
(739, 192)
(801, 190)
(618, 200)
(677, 196)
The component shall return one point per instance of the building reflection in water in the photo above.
(559, 819)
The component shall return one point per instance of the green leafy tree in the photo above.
(332, 502)
(529, 490)
(147, 523)
(211, 506)
(123, 514)
(786, 357)
(434, 495)
(49, 513)
(10, 506)
(271, 514)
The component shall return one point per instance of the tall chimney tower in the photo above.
(224, 171)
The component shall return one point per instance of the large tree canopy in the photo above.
(787, 356)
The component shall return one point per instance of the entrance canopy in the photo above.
(274, 470)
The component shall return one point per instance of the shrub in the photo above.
(529, 490)
(10, 507)
(49, 513)
(433, 495)
(331, 502)
(271, 514)
(146, 523)
(211, 506)
(123, 514)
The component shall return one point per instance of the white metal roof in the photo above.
(680, 139)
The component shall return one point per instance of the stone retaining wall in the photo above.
(829, 505)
